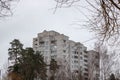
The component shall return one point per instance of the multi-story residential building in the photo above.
(58, 46)
(78, 58)
(94, 65)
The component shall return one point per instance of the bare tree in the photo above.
(6, 7)
(4, 72)
(104, 19)
(64, 72)
(107, 61)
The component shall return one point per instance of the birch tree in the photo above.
(106, 61)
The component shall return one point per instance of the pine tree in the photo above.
(16, 50)
(28, 64)
(112, 77)
(53, 68)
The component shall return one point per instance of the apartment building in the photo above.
(94, 65)
(54, 45)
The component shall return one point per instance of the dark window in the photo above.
(86, 65)
(35, 39)
(97, 65)
(52, 51)
(75, 61)
(81, 53)
(64, 41)
(81, 57)
(97, 76)
(96, 57)
(86, 78)
(76, 71)
(76, 57)
(86, 69)
(64, 51)
(53, 42)
(76, 52)
(41, 42)
(85, 51)
(86, 56)
(86, 60)
(86, 74)
(52, 57)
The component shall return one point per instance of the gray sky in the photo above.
(32, 17)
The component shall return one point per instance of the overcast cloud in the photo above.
(32, 17)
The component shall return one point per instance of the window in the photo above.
(41, 43)
(97, 65)
(80, 53)
(81, 67)
(81, 57)
(53, 51)
(76, 57)
(36, 44)
(85, 56)
(35, 39)
(86, 74)
(76, 71)
(97, 76)
(86, 65)
(75, 61)
(86, 69)
(53, 57)
(64, 51)
(76, 52)
(86, 78)
(64, 41)
(96, 57)
(85, 51)
(53, 42)
(86, 60)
